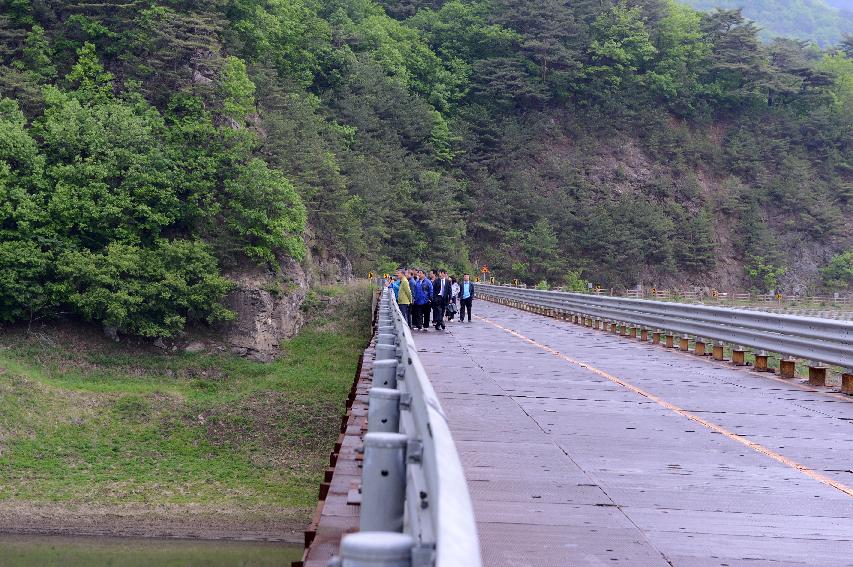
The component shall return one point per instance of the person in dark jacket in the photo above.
(466, 297)
(441, 290)
(422, 292)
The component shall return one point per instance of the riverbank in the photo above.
(98, 438)
(58, 551)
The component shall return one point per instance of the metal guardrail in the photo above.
(819, 340)
(416, 510)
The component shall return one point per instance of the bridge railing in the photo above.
(810, 338)
(415, 507)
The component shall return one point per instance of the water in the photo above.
(55, 551)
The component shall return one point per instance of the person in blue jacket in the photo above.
(422, 291)
(395, 286)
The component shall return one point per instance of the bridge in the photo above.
(564, 429)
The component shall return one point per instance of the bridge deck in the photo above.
(643, 457)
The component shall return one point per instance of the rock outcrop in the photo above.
(267, 307)
(268, 304)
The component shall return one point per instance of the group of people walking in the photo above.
(431, 295)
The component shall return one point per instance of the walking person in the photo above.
(427, 313)
(440, 297)
(422, 292)
(466, 297)
(395, 285)
(454, 296)
(404, 297)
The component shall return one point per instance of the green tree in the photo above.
(838, 273)
(620, 51)
(236, 90)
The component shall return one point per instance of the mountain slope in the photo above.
(822, 21)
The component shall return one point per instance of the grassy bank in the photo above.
(92, 423)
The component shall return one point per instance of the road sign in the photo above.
(370, 275)
(484, 269)
(477, 280)
(492, 281)
(386, 276)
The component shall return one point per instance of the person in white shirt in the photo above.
(440, 298)
(454, 295)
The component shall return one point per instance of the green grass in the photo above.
(98, 423)
(85, 552)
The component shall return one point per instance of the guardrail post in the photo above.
(719, 351)
(383, 415)
(670, 340)
(817, 374)
(656, 338)
(787, 368)
(383, 482)
(847, 382)
(632, 331)
(386, 339)
(375, 549)
(684, 343)
(739, 356)
(386, 352)
(644, 335)
(761, 362)
(385, 373)
(699, 347)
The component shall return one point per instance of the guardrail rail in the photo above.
(821, 341)
(415, 507)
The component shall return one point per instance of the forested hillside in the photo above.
(825, 22)
(147, 146)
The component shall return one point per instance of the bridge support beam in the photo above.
(739, 356)
(383, 482)
(817, 375)
(787, 368)
(847, 383)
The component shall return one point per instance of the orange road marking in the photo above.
(757, 447)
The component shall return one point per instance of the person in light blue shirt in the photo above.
(395, 287)
(466, 297)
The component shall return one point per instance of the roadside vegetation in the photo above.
(88, 421)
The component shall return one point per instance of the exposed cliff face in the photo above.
(268, 303)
